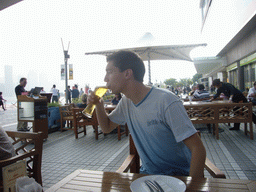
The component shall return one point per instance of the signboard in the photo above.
(11, 173)
(70, 71)
(62, 72)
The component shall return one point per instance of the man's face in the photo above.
(24, 83)
(114, 78)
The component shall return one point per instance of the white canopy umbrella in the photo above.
(147, 53)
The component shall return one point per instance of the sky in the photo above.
(31, 33)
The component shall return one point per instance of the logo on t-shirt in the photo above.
(154, 122)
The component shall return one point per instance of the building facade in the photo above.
(230, 29)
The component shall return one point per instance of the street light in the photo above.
(66, 57)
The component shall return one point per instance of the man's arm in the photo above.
(198, 155)
(105, 123)
(216, 95)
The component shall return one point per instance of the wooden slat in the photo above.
(220, 112)
(82, 180)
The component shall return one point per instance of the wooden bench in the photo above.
(220, 112)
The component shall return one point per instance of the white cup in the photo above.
(190, 98)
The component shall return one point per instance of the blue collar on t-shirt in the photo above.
(144, 98)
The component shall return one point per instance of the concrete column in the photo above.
(240, 77)
(250, 75)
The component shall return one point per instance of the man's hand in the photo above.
(93, 99)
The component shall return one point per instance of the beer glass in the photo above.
(88, 111)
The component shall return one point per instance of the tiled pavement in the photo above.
(233, 153)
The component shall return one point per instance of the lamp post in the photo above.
(66, 57)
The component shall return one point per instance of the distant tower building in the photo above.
(8, 81)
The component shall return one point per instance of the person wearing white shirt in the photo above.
(252, 94)
(54, 92)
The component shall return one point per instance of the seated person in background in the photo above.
(84, 101)
(252, 94)
(192, 91)
(233, 94)
(6, 147)
(116, 99)
(200, 92)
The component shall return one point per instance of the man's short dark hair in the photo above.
(128, 60)
(200, 86)
(22, 79)
(54, 86)
(216, 82)
(254, 83)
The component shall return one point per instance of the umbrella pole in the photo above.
(149, 72)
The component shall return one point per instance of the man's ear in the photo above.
(128, 73)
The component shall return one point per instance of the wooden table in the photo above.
(201, 112)
(85, 180)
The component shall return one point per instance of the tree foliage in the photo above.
(181, 83)
(171, 82)
(196, 77)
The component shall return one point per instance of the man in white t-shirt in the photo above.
(54, 92)
(164, 136)
(252, 94)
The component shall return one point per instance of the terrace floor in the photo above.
(234, 153)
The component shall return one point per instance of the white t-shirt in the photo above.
(6, 147)
(54, 92)
(251, 90)
(158, 125)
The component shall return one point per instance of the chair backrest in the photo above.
(65, 111)
(132, 163)
(27, 146)
(80, 117)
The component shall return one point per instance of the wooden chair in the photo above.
(80, 120)
(27, 146)
(120, 133)
(132, 163)
(66, 116)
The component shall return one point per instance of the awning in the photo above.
(6, 3)
(147, 53)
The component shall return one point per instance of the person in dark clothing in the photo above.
(1, 101)
(75, 92)
(116, 99)
(19, 90)
(68, 95)
(84, 101)
(233, 94)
